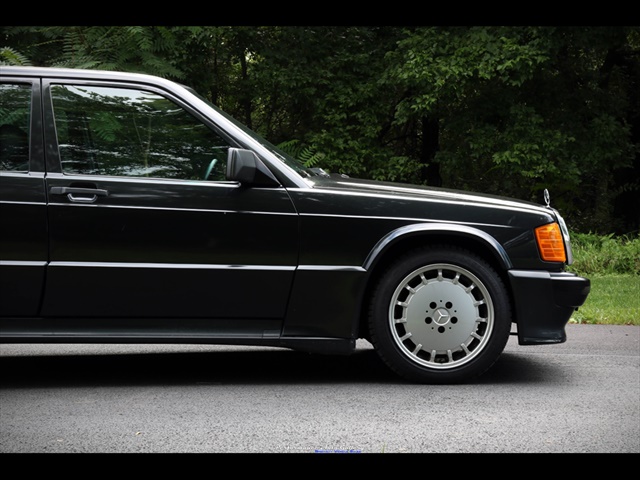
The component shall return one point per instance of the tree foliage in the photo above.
(500, 109)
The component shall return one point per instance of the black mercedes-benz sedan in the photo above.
(134, 211)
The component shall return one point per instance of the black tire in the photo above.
(440, 315)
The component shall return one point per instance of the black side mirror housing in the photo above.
(245, 167)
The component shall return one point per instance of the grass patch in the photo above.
(605, 254)
(614, 300)
(612, 263)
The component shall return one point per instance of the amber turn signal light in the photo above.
(551, 243)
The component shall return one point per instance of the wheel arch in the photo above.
(410, 237)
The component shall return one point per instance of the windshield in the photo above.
(287, 159)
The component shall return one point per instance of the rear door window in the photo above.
(15, 105)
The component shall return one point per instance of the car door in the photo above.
(142, 221)
(23, 220)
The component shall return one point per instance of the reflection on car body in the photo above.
(133, 211)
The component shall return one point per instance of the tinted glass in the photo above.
(129, 132)
(15, 105)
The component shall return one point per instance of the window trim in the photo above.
(53, 162)
(36, 153)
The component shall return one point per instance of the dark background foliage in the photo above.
(507, 110)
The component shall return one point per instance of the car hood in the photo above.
(409, 191)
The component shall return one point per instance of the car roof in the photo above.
(84, 74)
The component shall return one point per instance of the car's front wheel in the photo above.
(440, 315)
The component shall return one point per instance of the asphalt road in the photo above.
(582, 396)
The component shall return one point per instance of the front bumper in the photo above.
(544, 302)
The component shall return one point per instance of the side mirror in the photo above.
(245, 167)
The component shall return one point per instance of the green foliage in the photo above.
(319, 87)
(526, 108)
(441, 66)
(10, 56)
(612, 263)
(125, 48)
(605, 254)
(397, 169)
(307, 155)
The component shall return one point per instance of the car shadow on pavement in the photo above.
(231, 366)
(189, 367)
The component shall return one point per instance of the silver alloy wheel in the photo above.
(441, 316)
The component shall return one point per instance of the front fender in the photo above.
(465, 231)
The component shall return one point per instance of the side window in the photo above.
(129, 132)
(15, 105)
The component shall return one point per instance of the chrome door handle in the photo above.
(71, 191)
